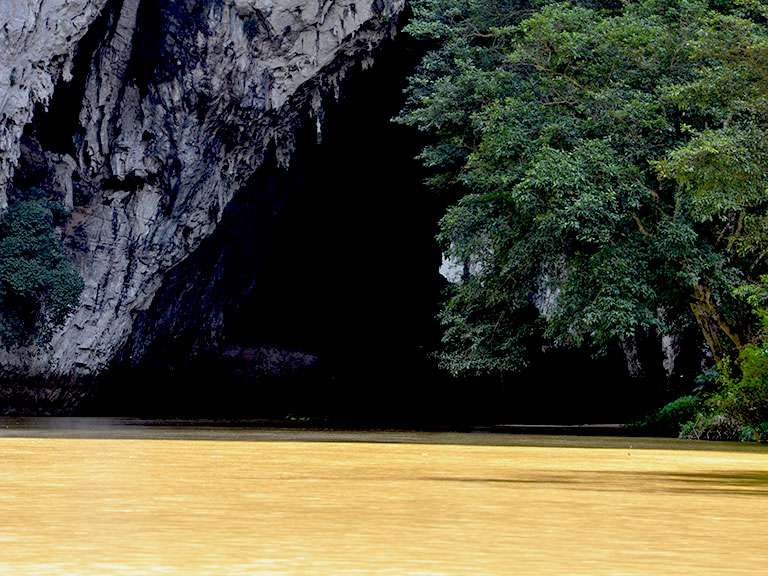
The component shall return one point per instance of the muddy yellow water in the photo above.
(86, 506)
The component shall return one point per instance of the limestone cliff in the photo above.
(147, 117)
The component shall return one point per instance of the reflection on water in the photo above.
(72, 503)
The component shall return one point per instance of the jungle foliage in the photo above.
(733, 396)
(39, 286)
(606, 162)
(606, 165)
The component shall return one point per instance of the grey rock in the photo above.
(180, 103)
(37, 40)
(457, 270)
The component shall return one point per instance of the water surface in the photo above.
(132, 500)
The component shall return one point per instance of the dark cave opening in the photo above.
(322, 281)
(331, 259)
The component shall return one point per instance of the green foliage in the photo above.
(743, 393)
(756, 295)
(39, 286)
(755, 433)
(671, 418)
(735, 407)
(613, 153)
(712, 426)
(746, 397)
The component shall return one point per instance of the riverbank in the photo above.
(584, 436)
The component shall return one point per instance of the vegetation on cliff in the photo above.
(607, 168)
(39, 286)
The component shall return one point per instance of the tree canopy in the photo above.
(606, 165)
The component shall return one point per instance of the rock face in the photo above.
(147, 117)
(37, 41)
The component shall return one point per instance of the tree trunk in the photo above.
(712, 324)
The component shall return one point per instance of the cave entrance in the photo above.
(351, 275)
(317, 296)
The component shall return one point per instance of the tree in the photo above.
(607, 166)
(39, 286)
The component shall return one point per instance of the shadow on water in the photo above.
(732, 483)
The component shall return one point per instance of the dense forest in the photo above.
(606, 165)
(603, 166)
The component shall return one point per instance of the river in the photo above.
(86, 499)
